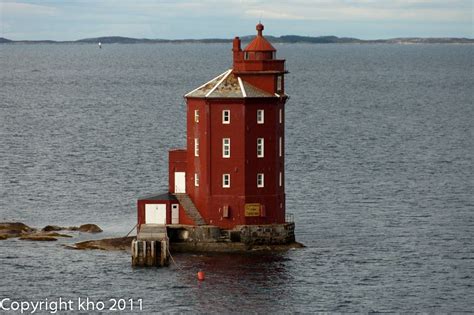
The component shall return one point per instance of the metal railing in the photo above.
(289, 218)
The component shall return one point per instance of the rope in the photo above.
(177, 266)
(131, 230)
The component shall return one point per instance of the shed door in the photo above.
(155, 213)
(175, 213)
(179, 182)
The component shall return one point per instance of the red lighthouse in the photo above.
(232, 171)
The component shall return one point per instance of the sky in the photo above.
(183, 19)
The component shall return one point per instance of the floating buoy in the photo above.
(201, 275)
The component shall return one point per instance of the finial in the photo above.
(259, 29)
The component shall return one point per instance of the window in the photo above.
(260, 182)
(246, 55)
(196, 147)
(260, 116)
(281, 115)
(279, 83)
(226, 180)
(280, 179)
(196, 115)
(226, 148)
(196, 179)
(260, 151)
(226, 116)
(279, 146)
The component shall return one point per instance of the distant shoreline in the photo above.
(287, 39)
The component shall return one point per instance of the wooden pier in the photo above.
(151, 248)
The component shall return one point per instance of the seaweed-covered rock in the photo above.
(90, 228)
(50, 228)
(38, 237)
(14, 229)
(119, 243)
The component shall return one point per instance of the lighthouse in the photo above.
(232, 172)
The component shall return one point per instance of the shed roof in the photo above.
(163, 196)
(228, 84)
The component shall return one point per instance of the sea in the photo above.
(379, 178)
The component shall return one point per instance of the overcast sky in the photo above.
(366, 19)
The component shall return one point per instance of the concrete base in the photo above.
(208, 238)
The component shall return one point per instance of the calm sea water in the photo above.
(379, 176)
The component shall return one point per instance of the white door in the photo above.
(179, 182)
(175, 213)
(155, 213)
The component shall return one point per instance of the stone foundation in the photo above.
(241, 237)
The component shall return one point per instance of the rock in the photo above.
(49, 228)
(15, 226)
(54, 234)
(42, 238)
(120, 243)
(3, 237)
(14, 229)
(90, 228)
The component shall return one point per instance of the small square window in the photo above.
(260, 116)
(196, 115)
(196, 147)
(260, 148)
(196, 179)
(260, 180)
(226, 147)
(226, 116)
(226, 180)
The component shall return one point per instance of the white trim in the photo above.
(244, 94)
(262, 146)
(226, 122)
(196, 146)
(277, 95)
(223, 180)
(280, 115)
(196, 115)
(280, 145)
(262, 121)
(260, 176)
(196, 179)
(224, 147)
(218, 83)
(205, 83)
(280, 179)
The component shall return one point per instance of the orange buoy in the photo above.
(201, 275)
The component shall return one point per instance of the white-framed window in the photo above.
(226, 147)
(260, 148)
(196, 115)
(225, 180)
(196, 146)
(280, 179)
(260, 180)
(280, 144)
(246, 55)
(260, 116)
(280, 114)
(226, 116)
(196, 179)
(279, 83)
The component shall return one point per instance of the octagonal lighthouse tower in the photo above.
(235, 140)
